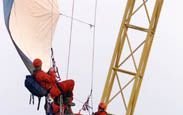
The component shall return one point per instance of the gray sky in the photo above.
(161, 92)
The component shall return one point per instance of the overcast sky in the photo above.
(162, 87)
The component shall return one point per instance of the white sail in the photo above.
(32, 24)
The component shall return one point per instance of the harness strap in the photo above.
(48, 107)
(31, 99)
(39, 100)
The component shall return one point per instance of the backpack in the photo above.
(34, 88)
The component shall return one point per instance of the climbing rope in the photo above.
(70, 40)
(55, 66)
(93, 53)
(86, 106)
(52, 52)
(90, 97)
(78, 20)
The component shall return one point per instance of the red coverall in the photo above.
(67, 87)
(48, 81)
(101, 113)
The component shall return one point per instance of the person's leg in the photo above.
(67, 87)
(54, 92)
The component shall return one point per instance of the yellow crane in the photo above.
(117, 68)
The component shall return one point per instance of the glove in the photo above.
(50, 99)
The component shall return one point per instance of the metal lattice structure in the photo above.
(118, 59)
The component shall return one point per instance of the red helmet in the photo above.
(102, 105)
(37, 63)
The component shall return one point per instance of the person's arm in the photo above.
(52, 74)
(41, 76)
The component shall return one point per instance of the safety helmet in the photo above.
(37, 63)
(102, 105)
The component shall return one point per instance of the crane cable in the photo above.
(52, 52)
(78, 20)
(86, 105)
(55, 66)
(93, 52)
(70, 39)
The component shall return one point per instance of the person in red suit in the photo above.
(101, 109)
(66, 88)
(49, 82)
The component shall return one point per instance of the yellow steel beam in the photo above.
(126, 85)
(137, 28)
(140, 45)
(123, 97)
(124, 71)
(118, 52)
(144, 57)
(115, 59)
(140, 6)
(145, 6)
(131, 51)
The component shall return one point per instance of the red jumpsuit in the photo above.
(48, 81)
(100, 113)
(66, 87)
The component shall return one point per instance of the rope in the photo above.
(78, 20)
(86, 104)
(90, 97)
(93, 53)
(52, 20)
(70, 40)
(52, 52)
(51, 35)
(55, 66)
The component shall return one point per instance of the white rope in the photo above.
(93, 46)
(78, 20)
(70, 40)
(93, 53)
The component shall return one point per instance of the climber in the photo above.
(66, 87)
(55, 89)
(101, 109)
(47, 82)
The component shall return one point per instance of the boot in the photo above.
(68, 111)
(68, 101)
